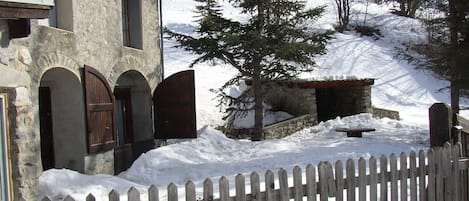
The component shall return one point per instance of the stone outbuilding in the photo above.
(78, 88)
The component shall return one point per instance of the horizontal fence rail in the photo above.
(437, 174)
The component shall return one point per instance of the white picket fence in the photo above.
(434, 175)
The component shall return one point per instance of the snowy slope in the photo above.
(398, 86)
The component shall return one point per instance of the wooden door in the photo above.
(100, 110)
(174, 105)
(124, 115)
(45, 126)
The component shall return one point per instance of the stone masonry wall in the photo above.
(288, 127)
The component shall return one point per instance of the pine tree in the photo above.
(274, 43)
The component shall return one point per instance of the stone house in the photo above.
(82, 88)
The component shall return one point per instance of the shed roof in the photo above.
(305, 84)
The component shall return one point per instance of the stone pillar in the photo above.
(24, 146)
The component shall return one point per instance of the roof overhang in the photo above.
(23, 10)
(305, 84)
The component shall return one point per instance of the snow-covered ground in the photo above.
(398, 86)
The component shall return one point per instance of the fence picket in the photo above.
(339, 175)
(373, 179)
(240, 186)
(350, 182)
(323, 191)
(283, 182)
(403, 176)
(421, 174)
(172, 192)
(393, 175)
(311, 186)
(69, 198)
(208, 190)
(361, 179)
(431, 175)
(133, 194)
(455, 172)
(45, 198)
(446, 164)
(190, 191)
(297, 184)
(114, 195)
(153, 193)
(224, 186)
(255, 187)
(383, 179)
(413, 175)
(269, 186)
(90, 197)
(439, 188)
(331, 187)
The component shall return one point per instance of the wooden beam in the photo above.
(322, 83)
(19, 12)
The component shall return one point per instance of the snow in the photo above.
(398, 86)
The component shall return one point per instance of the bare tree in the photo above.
(343, 14)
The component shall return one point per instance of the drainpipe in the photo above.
(161, 40)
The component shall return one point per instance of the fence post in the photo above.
(440, 124)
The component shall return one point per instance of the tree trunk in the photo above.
(453, 60)
(258, 110)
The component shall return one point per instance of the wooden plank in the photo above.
(90, 197)
(190, 191)
(394, 175)
(362, 179)
(331, 187)
(208, 190)
(431, 175)
(350, 182)
(172, 192)
(383, 185)
(153, 193)
(339, 175)
(440, 124)
(422, 175)
(323, 191)
(269, 186)
(134, 195)
(439, 188)
(224, 187)
(403, 176)
(283, 182)
(373, 179)
(455, 172)
(255, 187)
(114, 195)
(240, 186)
(446, 165)
(297, 184)
(413, 176)
(311, 187)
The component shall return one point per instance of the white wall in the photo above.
(39, 2)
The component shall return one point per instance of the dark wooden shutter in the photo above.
(100, 111)
(174, 105)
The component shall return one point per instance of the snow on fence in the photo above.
(432, 175)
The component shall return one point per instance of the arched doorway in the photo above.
(133, 118)
(62, 120)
